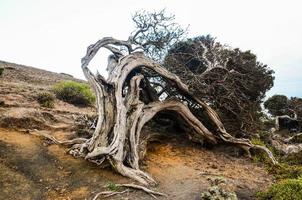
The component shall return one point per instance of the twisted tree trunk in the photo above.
(122, 112)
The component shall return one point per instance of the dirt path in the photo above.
(183, 170)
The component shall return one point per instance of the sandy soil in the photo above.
(31, 168)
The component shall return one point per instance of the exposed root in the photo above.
(135, 174)
(139, 187)
(109, 194)
(56, 141)
(293, 138)
(268, 153)
(132, 186)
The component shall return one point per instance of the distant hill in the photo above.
(21, 73)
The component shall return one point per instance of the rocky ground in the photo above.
(32, 168)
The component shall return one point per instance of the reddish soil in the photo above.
(31, 168)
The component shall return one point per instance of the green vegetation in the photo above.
(288, 173)
(261, 156)
(1, 70)
(285, 189)
(257, 141)
(289, 166)
(112, 187)
(46, 99)
(276, 104)
(285, 171)
(78, 94)
(282, 105)
(293, 159)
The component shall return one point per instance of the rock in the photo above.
(287, 146)
(291, 149)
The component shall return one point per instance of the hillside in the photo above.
(34, 168)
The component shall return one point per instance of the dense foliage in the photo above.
(282, 105)
(295, 104)
(75, 93)
(232, 81)
(277, 105)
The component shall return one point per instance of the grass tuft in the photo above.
(46, 99)
(112, 187)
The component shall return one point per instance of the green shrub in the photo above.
(1, 70)
(283, 190)
(285, 171)
(78, 94)
(46, 99)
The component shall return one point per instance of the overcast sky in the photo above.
(54, 34)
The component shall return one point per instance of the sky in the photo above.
(54, 34)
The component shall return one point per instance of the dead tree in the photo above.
(124, 108)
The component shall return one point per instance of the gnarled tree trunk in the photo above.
(122, 110)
